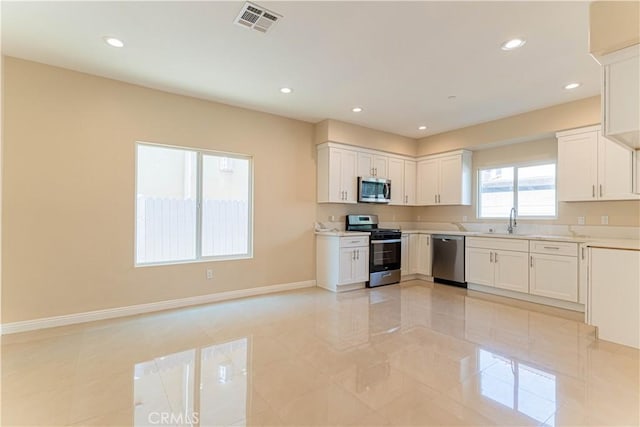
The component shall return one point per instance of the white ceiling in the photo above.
(400, 61)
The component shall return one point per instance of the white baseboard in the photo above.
(89, 316)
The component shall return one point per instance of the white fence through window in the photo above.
(166, 229)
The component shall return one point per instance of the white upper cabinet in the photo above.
(402, 174)
(592, 167)
(444, 179)
(577, 166)
(337, 179)
(621, 99)
(372, 165)
(428, 174)
(410, 178)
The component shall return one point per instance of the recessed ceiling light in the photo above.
(114, 42)
(513, 44)
(422, 127)
(356, 109)
(572, 86)
(286, 90)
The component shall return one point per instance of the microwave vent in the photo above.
(257, 17)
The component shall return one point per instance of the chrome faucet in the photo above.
(512, 220)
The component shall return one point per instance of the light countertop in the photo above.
(342, 233)
(601, 242)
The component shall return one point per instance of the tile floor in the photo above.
(410, 354)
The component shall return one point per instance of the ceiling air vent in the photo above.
(257, 17)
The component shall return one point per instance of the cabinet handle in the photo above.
(582, 253)
(435, 198)
(531, 260)
(490, 257)
(552, 247)
(438, 198)
(600, 190)
(428, 240)
(593, 191)
(353, 255)
(357, 253)
(495, 257)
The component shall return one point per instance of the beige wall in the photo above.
(68, 192)
(347, 133)
(522, 127)
(613, 25)
(625, 213)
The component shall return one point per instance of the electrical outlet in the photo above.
(464, 218)
(580, 220)
(332, 218)
(604, 219)
(209, 274)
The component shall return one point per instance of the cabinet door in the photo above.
(424, 254)
(414, 253)
(409, 182)
(621, 97)
(577, 167)
(450, 180)
(511, 270)
(347, 266)
(365, 164)
(614, 295)
(615, 170)
(348, 177)
(583, 266)
(554, 276)
(380, 166)
(361, 265)
(427, 185)
(396, 175)
(404, 255)
(478, 265)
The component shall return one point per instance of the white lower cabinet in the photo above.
(424, 254)
(488, 263)
(511, 271)
(416, 254)
(553, 270)
(404, 255)
(479, 268)
(614, 295)
(342, 262)
(354, 265)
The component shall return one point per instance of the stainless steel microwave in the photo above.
(374, 190)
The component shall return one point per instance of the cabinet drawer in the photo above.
(498, 244)
(352, 242)
(553, 248)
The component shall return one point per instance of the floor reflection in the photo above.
(166, 392)
(518, 386)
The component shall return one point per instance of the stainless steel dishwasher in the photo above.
(448, 259)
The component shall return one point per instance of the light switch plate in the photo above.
(604, 219)
(580, 220)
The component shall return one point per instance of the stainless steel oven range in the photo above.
(384, 249)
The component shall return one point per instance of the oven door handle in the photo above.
(378, 242)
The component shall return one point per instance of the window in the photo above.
(531, 189)
(192, 205)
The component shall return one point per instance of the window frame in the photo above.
(515, 167)
(199, 193)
